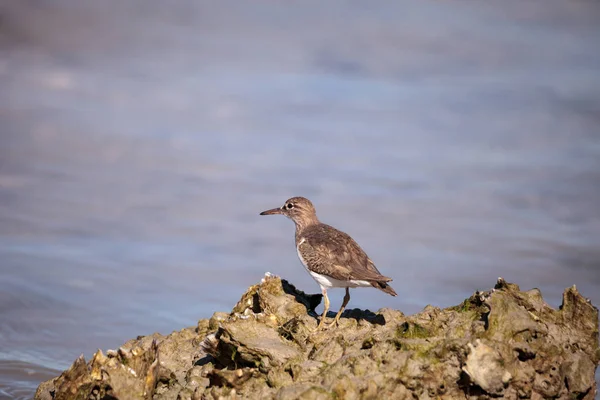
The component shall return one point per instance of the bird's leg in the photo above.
(344, 304)
(325, 308)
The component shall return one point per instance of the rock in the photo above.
(579, 374)
(500, 343)
(485, 367)
(252, 343)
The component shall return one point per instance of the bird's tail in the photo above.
(383, 286)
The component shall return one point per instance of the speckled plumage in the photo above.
(328, 251)
(331, 256)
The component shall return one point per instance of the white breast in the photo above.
(300, 255)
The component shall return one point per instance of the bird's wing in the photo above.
(333, 252)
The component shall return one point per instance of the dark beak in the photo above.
(272, 211)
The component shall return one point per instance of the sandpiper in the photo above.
(331, 256)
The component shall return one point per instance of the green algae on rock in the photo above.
(500, 343)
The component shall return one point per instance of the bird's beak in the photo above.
(272, 211)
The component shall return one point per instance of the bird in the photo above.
(330, 256)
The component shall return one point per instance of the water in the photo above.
(457, 142)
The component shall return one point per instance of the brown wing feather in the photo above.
(330, 250)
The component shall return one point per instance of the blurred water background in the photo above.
(455, 141)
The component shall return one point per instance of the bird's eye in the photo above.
(290, 206)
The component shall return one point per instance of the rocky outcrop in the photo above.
(502, 343)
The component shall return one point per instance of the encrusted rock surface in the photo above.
(504, 343)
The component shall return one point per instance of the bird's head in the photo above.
(298, 209)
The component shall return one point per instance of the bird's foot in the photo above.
(321, 325)
(335, 322)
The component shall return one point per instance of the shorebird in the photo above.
(330, 256)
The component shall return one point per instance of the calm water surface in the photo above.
(457, 142)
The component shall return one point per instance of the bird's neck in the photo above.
(305, 222)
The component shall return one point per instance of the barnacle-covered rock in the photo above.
(499, 343)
